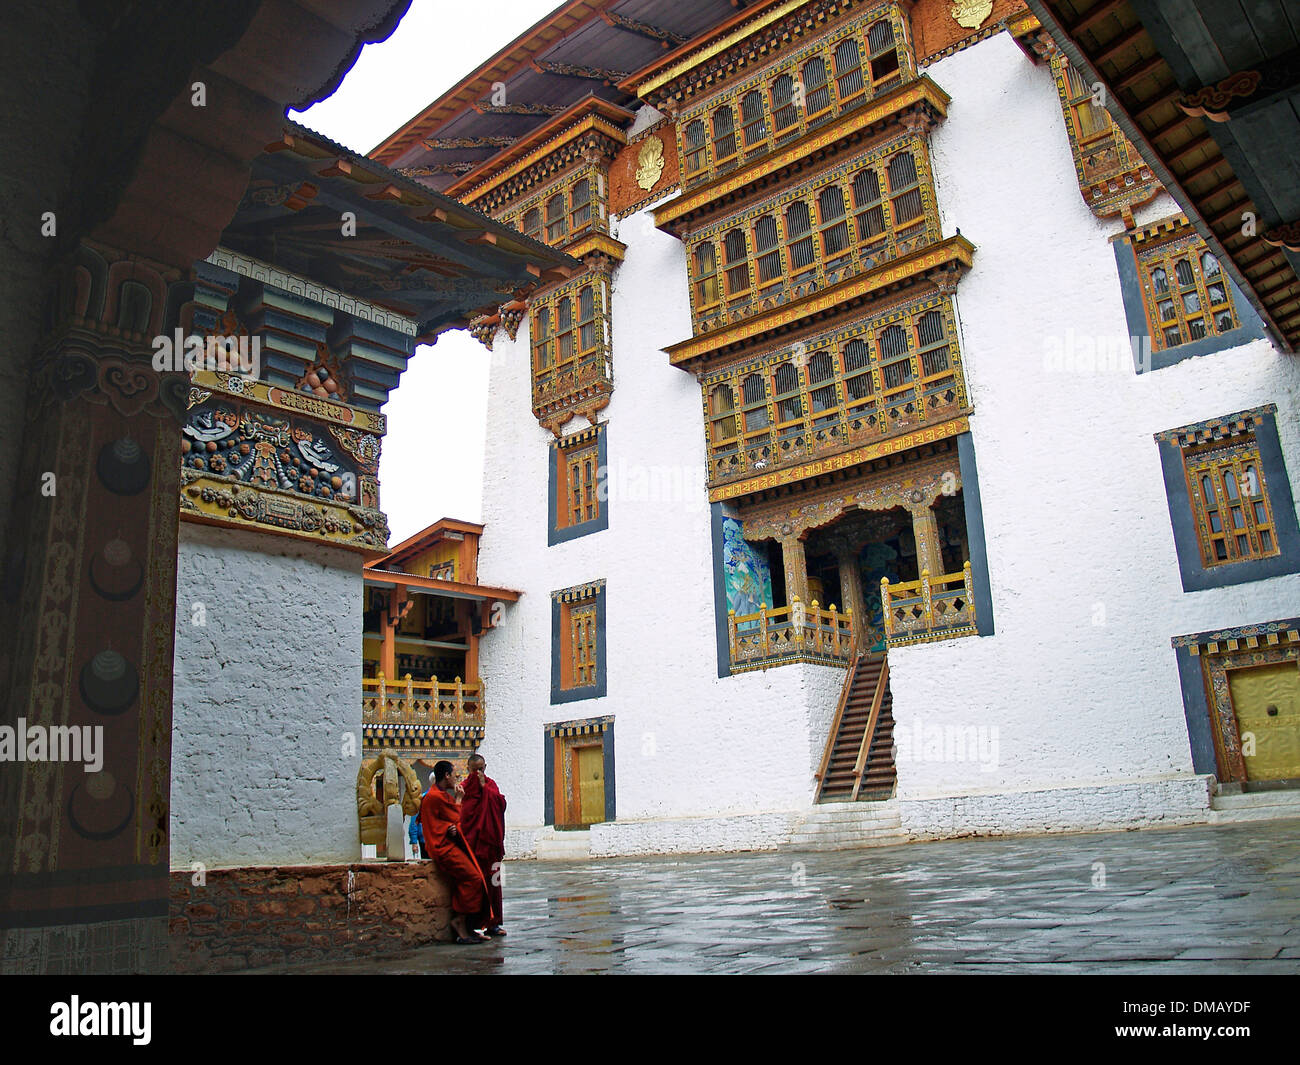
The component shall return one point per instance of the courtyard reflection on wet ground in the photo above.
(1222, 899)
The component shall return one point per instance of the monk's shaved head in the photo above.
(440, 771)
(477, 761)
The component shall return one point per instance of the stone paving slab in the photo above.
(1197, 899)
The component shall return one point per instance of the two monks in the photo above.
(455, 840)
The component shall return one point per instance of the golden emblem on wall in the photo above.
(650, 163)
(971, 13)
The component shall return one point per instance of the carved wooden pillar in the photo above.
(796, 569)
(850, 580)
(89, 600)
(398, 605)
(925, 527)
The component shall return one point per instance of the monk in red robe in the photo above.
(483, 821)
(440, 819)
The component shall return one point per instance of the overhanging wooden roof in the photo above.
(1209, 93)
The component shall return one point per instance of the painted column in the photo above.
(796, 569)
(850, 580)
(89, 603)
(925, 527)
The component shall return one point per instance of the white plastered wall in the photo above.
(1080, 680)
(267, 687)
(696, 758)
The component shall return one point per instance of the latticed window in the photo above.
(1187, 296)
(785, 394)
(580, 200)
(722, 418)
(823, 400)
(564, 330)
(904, 189)
(724, 134)
(767, 248)
(859, 386)
(848, 68)
(754, 396)
(882, 55)
(582, 629)
(735, 257)
(586, 319)
(581, 496)
(533, 223)
(895, 362)
(555, 219)
(869, 213)
(798, 235)
(1234, 519)
(706, 275)
(817, 93)
(695, 139)
(752, 119)
(834, 226)
(542, 338)
(932, 344)
(784, 112)
(1090, 120)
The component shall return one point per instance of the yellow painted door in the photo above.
(591, 784)
(1266, 700)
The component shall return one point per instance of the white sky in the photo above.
(432, 464)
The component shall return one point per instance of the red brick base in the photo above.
(242, 918)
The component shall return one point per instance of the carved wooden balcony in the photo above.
(932, 608)
(777, 636)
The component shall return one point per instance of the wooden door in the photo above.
(589, 772)
(1266, 700)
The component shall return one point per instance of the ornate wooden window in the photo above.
(581, 474)
(834, 226)
(823, 398)
(817, 92)
(1234, 520)
(724, 134)
(904, 189)
(859, 382)
(767, 247)
(564, 331)
(582, 644)
(736, 259)
(798, 235)
(706, 275)
(532, 224)
(542, 339)
(875, 378)
(1090, 121)
(754, 396)
(586, 320)
(1186, 294)
(869, 213)
(784, 113)
(848, 69)
(882, 56)
(722, 419)
(786, 398)
(696, 150)
(555, 218)
(580, 206)
(578, 638)
(753, 119)
(577, 503)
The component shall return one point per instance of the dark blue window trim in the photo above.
(979, 556)
(555, 534)
(1251, 327)
(589, 691)
(1182, 517)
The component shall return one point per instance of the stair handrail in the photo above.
(854, 661)
(860, 766)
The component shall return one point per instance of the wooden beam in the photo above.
(1118, 45)
(1094, 16)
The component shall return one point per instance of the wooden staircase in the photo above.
(859, 760)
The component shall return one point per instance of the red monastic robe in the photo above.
(438, 814)
(483, 821)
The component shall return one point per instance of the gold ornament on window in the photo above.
(650, 163)
(971, 14)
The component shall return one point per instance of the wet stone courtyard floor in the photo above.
(1201, 899)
